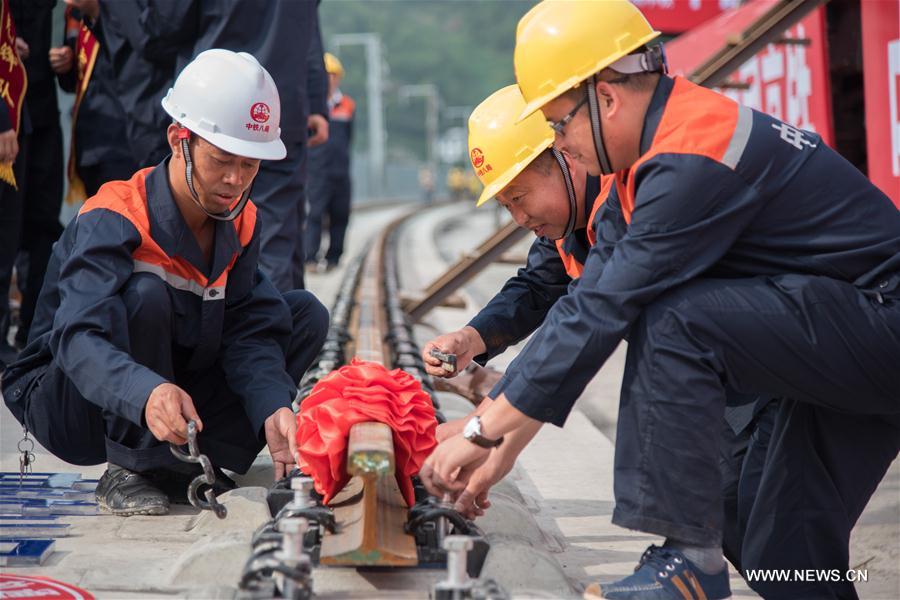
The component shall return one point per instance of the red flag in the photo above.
(13, 81)
(86, 49)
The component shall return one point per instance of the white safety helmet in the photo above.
(231, 101)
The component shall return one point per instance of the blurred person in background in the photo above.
(329, 174)
(41, 184)
(97, 154)
(15, 129)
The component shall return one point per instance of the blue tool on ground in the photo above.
(19, 527)
(21, 553)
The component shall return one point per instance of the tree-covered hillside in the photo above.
(462, 46)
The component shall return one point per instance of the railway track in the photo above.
(368, 524)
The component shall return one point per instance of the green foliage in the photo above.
(463, 46)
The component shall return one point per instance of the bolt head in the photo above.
(458, 542)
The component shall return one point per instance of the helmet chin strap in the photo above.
(596, 129)
(570, 191)
(229, 215)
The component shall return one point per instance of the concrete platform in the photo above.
(550, 525)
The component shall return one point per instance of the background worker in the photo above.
(15, 132)
(141, 72)
(755, 258)
(154, 311)
(546, 192)
(98, 120)
(285, 38)
(41, 182)
(329, 173)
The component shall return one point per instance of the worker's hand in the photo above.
(9, 146)
(61, 59)
(90, 8)
(281, 437)
(465, 343)
(450, 428)
(167, 412)
(22, 48)
(450, 466)
(318, 127)
(473, 501)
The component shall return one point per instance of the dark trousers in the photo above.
(829, 346)
(40, 217)
(279, 194)
(743, 458)
(328, 195)
(79, 432)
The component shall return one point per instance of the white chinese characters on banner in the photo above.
(893, 49)
(780, 82)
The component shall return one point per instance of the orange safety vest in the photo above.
(714, 132)
(573, 266)
(129, 199)
(343, 110)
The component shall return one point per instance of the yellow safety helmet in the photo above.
(560, 43)
(333, 65)
(501, 146)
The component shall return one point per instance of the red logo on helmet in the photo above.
(477, 157)
(259, 112)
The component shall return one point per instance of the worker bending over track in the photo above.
(154, 311)
(753, 258)
(548, 193)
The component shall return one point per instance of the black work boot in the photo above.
(126, 493)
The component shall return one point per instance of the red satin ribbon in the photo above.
(355, 393)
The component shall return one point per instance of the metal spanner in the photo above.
(208, 476)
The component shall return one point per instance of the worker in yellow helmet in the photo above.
(546, 192)
(755, 259)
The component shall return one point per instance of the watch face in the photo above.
(472, 428)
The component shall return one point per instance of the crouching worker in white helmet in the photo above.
(154, 312)
(568, 211)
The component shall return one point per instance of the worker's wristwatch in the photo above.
(472, 432)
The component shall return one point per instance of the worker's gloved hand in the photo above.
(167, 413)
(465, 343)
(281, 437)
(318, 130)
(61, 59)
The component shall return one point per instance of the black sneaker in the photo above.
(126, 493)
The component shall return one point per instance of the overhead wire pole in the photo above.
(429, 92)
(371, 42)
(459, 112)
